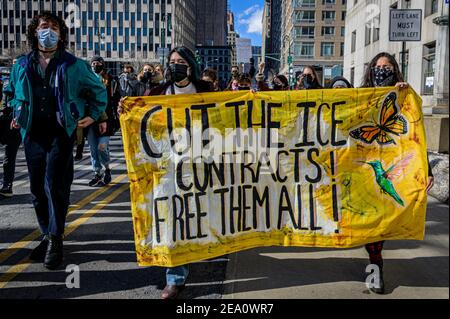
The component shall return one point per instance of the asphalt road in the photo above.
(100, 242)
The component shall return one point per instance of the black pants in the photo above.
(12, 143)
(374, 250)
(50, 167)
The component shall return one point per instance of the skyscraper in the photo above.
(211, 22)
(231, 37)
(313, 33)
(120, 31)
(272, 20)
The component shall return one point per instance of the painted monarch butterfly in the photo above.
(390, 122)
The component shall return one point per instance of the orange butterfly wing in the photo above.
(366, 133)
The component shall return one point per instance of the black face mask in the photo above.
(383, 77)
(277, 86)
(98, 68)
(243, 88)
(307, 81)
(146, 76)
(178, 72)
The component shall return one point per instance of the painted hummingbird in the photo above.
(384, 178)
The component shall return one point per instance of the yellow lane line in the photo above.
(12, 249)
(15, 270)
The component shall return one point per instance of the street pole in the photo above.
(404, 58)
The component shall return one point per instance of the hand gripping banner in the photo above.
(216, 173)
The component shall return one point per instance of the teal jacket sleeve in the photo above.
(97, 99)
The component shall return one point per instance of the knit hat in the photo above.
(98, 59)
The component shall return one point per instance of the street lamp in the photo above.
(289, 58)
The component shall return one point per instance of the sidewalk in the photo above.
(413, 269)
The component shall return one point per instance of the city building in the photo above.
(218, 58)
(426, 61)
(313, 33)
(256, 54)
(271, 38)
(231, 37)
(120, 31)
(211, 22)
(243, 53)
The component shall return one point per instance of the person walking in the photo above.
(148, 78)
(382, 71)
(99, 133)
(128, 81)
(50, 89)
(183, 77)
(10, 137)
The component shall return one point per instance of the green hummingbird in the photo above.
(384, 178)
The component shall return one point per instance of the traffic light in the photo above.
(198, 59)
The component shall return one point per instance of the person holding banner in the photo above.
(384, 71)
(339, 82)
(183, 77)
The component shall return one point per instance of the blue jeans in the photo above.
(177, 275)
(99, 147)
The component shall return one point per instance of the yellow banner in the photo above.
(216, 173)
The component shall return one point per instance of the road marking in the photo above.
(15, 270)
(11, 250)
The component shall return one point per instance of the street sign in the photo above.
(162, 52)
(290, 59)
(405, 25)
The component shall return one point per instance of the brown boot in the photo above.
(171, 291)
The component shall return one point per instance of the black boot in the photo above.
(6, 191)
(378, 288)
(54, 255)
(38, 254)
(79, 153)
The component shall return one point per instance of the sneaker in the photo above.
(107, 177)
(96, 180)
(6, 192)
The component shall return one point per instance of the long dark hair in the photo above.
(283, 80)
(315, 84)
(47, 16)
(189, 56)
(368, 74)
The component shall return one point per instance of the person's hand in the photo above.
(102, 127)
(261, 67)
(402, 85)
(14, 125)
(120, 107)
(85, 122)
(430, 183)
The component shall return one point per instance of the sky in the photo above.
(247, 18)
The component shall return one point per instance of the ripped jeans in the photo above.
(99, 147)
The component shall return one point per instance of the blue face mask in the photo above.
(48, 38)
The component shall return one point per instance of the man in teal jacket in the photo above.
(49, 91)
